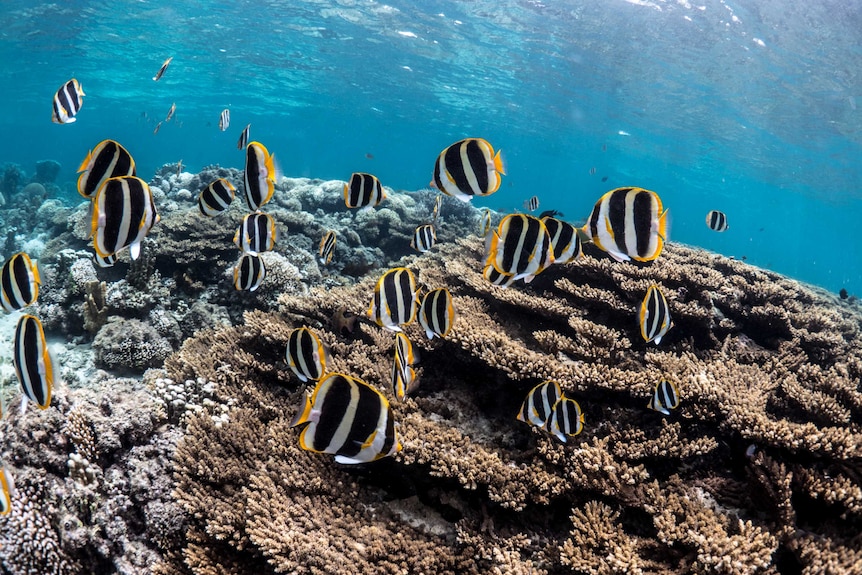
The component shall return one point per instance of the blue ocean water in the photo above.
(748, 107)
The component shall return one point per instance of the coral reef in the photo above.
(733, 482)
(46, 171)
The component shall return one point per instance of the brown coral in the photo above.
(729, 483)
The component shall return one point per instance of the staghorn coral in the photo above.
(766, 367)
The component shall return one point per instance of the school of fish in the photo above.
(343, 415)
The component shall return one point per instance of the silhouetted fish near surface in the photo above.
(604, 178)
(171, 112)
(161, 71)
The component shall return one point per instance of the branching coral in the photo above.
(768, 426)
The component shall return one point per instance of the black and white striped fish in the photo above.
(468, 168)
(532, 204)
(485, 222)
(19, 282)
(539, 403)
(665, 397)
(67, 102)
(257, 233)
(520, 247)
(438, 205)
(654, 317)
(349, 419)
(628, 223)
(224, 120)
(107, 160)
(216, 197)
(566, 419)
(243, 138)
(424, 238)
(394, 301)
(437, 314)
(497, 278)
(33, 363)
(403, 374)
(7, 490)
(249, 272)
(717, 221)
(564, 240)
(104, 262)
(363, 191)
(261, 175)
(123, 214)
(327, 247)
(306, 355)
(161, 71)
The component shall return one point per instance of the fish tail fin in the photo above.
(304, 414)
(664, 225)
(499, 163)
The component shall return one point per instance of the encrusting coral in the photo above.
(757, 471)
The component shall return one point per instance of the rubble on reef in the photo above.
(191, 467)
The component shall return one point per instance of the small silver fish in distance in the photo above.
(438, 204)
(156, 130)
(123, 214)
(7, 490)
(107, 160)
(180, 167)
(363, 191)
(306, 355)
(216, 197)
(628, 223)
(717, 221)
(468, 168)
(539, 403)
(249, 272)
(521, 247)
(485, 222)
(497, 278)
(424, 238)
(394, 301)
(261, 175)
(105, 262)
(243, 138)
(532, 204)
(67, 102)
(564, 240)
(19, 282)
(654, 317)
(256, 233)
(437, 313)
(403, 374)
(171, 112)
(33, 363)
(224, 120)
(665, 397)
(566, 419)
(161, 71)
(327, 248)
(349, 419)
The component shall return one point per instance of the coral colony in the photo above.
(565, 425)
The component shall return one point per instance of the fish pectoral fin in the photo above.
(344, 460)
(304, 415)
(135, 250)
(85, 165)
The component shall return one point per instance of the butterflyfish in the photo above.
(19, 282)
(654, 317)
(348, 418)
(628, 223)
(394, 301)
(107, 160)
(67, 102)
(468, 168)
(123, 214)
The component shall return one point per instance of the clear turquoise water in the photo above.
(749, 107)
